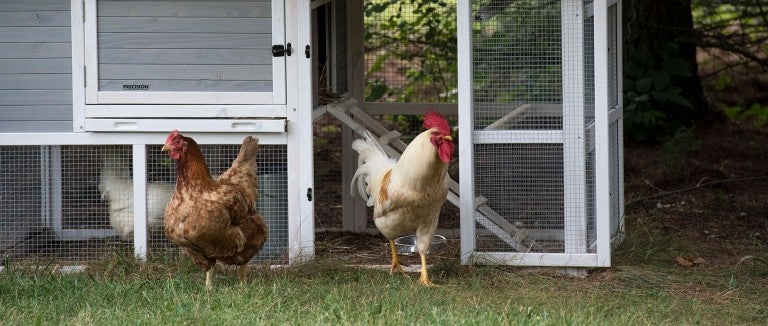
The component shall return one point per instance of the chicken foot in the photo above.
(424, 278)
(395, 260)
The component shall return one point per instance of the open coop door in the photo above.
(540, 147)
(188, 59)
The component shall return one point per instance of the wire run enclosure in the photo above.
(541, 142)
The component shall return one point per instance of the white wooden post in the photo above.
(602, 136)
(466, 118)
(301, 220)
(140, 201)
(574, 161)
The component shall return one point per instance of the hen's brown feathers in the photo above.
(215, 219)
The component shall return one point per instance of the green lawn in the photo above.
(118, 291)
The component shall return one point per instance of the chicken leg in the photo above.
(243, 273)
(424, 278)
(395, 259)
(209, 279)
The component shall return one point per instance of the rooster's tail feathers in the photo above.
(371, 162)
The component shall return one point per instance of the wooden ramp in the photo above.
(348, 112)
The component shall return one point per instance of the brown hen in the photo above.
(214, 219)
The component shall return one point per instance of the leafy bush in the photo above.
(648, 88)
(417, 38)
(757, 113)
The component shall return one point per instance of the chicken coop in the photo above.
(89, 89)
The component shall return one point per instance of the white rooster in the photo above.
(407, 195)
(116, 187)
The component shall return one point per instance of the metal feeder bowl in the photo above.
(406, 245)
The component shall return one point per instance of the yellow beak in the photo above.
(166, 147)
(448, 137)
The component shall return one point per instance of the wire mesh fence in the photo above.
(74, 203)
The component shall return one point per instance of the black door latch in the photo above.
(279, 50)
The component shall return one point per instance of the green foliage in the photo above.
(517, 55)
(757, 113)
(649, 88)
(417, 39)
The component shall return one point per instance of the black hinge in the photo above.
(278, 50)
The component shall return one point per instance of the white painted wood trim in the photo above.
(105, 97)
(466, 137)
(149, 138)
(189, 125)
(140, 238)
(602, 135)
(78, 64)
(301, 223)
(186, 111)
(574, 158)
(535, 259)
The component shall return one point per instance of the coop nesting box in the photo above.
(541, 132)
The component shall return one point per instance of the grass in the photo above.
(166, 291)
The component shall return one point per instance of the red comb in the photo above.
(434, 119)
(173, 135)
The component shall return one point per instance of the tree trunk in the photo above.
(651, 24)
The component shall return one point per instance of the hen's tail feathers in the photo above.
(371, 161)
(248, 150)
(255, 231)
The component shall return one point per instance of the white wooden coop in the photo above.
(90, 88)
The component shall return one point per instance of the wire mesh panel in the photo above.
(517, 65)
(534, 139)
(64, 217)
(523, 183)
(76, 203)
(21, 225)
